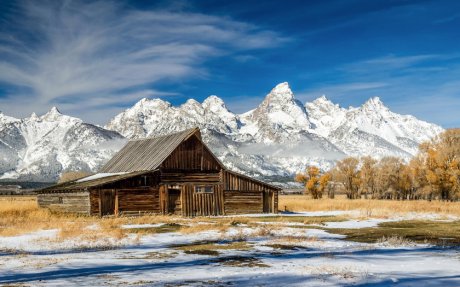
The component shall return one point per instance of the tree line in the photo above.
(434, 173)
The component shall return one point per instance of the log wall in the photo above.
(73, 202)
(191, 155)
(131, 201)
(134, 201)
(243, 201)
(246, 195)
(190, 178)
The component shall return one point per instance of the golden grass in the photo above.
(368, 207)
(20, 215)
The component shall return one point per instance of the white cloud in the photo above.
(81, 55)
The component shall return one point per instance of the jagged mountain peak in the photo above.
(324, 103)
(54, 110)
(53, 113)
(213, 101)
(278, 117)
(5, 118)
(322, 100)
(33, 116)
(281, 93)
(192, 103)
(217, 106)
(282, 88)
(146, 103)
(374, 104)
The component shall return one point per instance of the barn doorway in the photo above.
(106, 202)
(268, 202)
(174, 203)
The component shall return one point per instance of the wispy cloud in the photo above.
(388, 63)
(93, 52)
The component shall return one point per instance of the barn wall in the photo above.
(202, 204)
(245, 195)
(129, 201)
(191, 155)
(134, 201)
(243, 201)
(146, 180)
(73, 202)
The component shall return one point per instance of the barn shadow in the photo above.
(63, 273)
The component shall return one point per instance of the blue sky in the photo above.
(93, 59)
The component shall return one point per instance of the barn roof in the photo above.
(97, 179)
(139, 157)
(149, 153)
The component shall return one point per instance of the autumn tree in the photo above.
(420, 186)
(367, 175)
(388, 177)
(441, 161)
(347, 173)
(315, 182)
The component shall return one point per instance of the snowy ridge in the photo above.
(41, 148)
(278, 138)
(281, 136)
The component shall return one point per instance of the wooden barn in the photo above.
(171, 174)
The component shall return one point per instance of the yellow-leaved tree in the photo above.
(314, 180)
(347, 173)
(441, 162)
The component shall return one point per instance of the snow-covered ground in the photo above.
(284, 255)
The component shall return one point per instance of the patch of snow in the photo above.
(134, 226)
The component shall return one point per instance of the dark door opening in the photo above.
(174, 204)
(268, 202)
(107, 202)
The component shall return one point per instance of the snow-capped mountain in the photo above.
(277, 138)
(371, 129)
(278, 118)
(273, 139)
(41, 148)
(281, 135)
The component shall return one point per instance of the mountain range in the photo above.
(278, 138)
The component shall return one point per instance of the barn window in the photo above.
(204, 189)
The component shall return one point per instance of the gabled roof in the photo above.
(147, 154)
(92, 181)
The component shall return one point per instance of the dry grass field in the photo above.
(346, 242)
(21, 215)
(367, 207)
